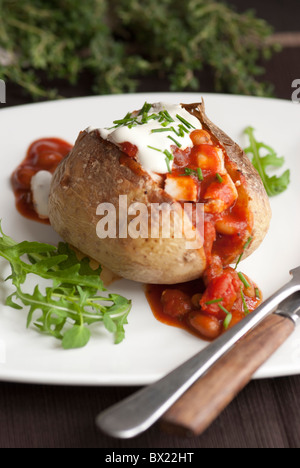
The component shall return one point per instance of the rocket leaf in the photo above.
(73, 297)
(273, 184)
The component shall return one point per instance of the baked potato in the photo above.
(212, 171)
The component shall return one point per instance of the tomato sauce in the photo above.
(209, 306)
(196, 308)
(42, 154)
(130, 149)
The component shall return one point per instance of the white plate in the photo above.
(150, 348)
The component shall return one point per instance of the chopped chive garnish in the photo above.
(246, 310)
(188, 171)
(175, 141)
(228, 317)
(223, 308)
(244, 248)
(153, 117)
(219, 178)
(167, 116)
(175, 131)
(227, 320)
(159, 130)
(133, 124)
(257, 293)
(243, 280)
(145, 109)
(179, 133)
(169, 155)
(214, 301)
(168, 164)
(183, 129)
(123, 121)
(247, 243)
(185, 122)
(156, 149)
(199, 172)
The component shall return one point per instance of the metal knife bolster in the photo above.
(290, 308)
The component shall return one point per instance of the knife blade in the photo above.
(139, 411)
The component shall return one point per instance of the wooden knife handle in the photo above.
(207, 397)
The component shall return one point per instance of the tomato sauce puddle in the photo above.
(43, 154)
(179, 305)
(194, 320)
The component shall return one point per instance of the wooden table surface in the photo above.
(266, 414)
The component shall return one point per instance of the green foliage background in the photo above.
(116, 41)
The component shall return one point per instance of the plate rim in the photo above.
(86, 379)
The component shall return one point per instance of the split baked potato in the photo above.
(97, 171)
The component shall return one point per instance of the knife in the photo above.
(139, 411)
(202, 403)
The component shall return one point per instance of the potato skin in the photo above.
(96, 171)
(92, 174)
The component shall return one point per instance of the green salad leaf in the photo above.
(72, 298)
(273, 184)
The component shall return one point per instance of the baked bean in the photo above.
(237, 316)
(196, 298)
(200, 137)
(228, 226)
(250, 290)
(176, 303)
(206, 325)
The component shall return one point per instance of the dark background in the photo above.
(266, 414)
(280, 70)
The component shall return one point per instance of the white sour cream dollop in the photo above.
(154, 132)
(40, 188)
